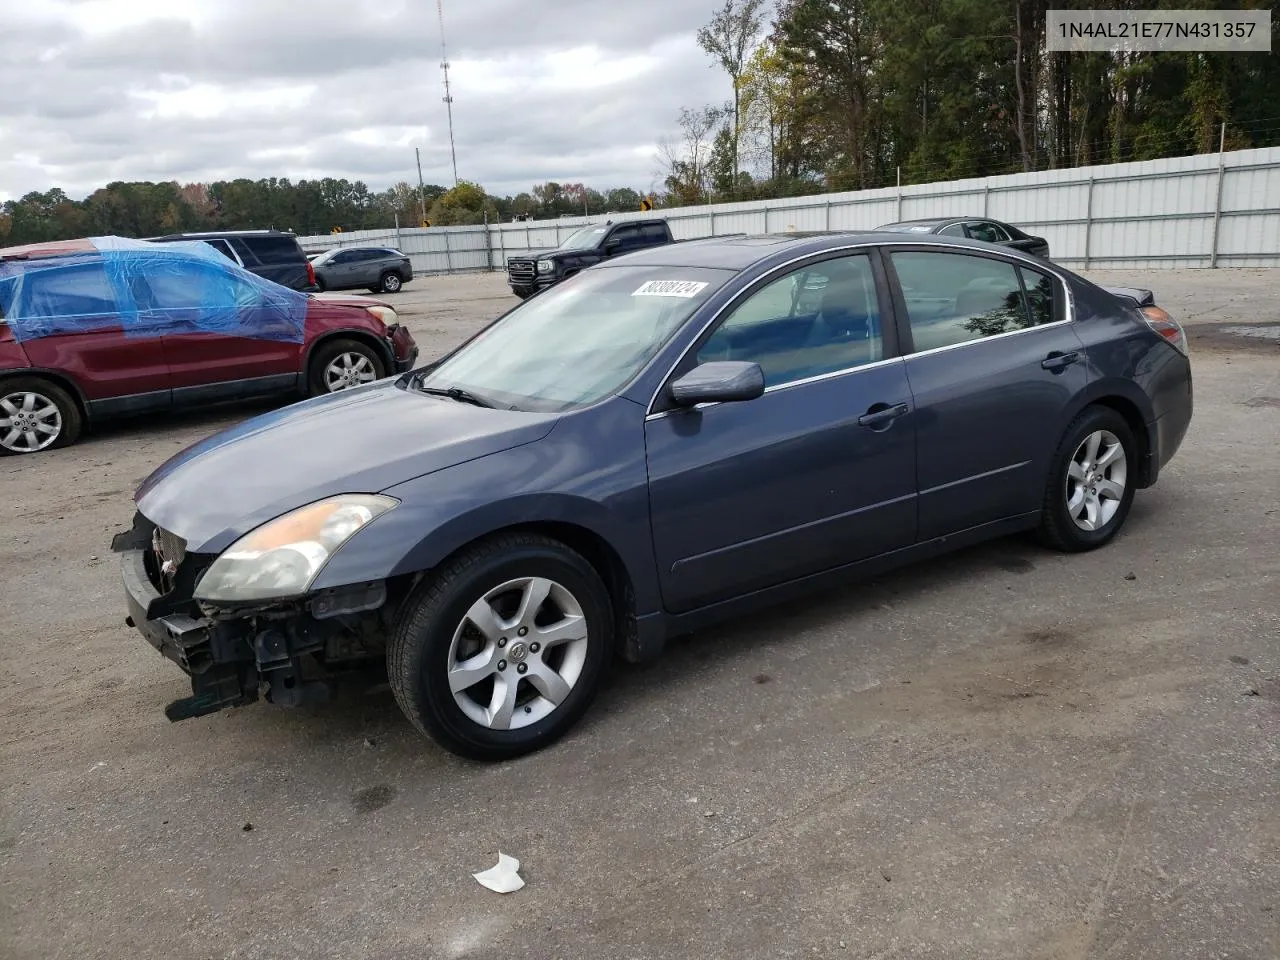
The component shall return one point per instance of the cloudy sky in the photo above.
(196, 90)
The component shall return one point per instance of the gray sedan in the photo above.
(380, 269)
(666, 439)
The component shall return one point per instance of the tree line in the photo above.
(828, 95)
(146, 209)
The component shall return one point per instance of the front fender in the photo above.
(563, 478)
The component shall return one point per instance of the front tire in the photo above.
(343, 364)
(501, 651)
(1091, 482)
(36, 415)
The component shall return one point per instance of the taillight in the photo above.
(311, 274)
(1169, 328)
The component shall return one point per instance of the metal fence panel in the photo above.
(1198, 211)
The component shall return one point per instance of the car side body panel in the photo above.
(1129, 360)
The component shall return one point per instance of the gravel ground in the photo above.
(1005, 753)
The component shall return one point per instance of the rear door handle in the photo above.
(881, 415)
(1059, 361)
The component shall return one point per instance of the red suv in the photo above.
(107, 327)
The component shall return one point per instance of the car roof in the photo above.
(214, 234)
(741, 251)
(50, 248)
(86, 249)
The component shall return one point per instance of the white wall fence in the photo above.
(1209, 210)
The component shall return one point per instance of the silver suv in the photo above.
(380, 269)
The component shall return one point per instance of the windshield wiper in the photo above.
(456, 393)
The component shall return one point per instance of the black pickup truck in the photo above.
(539, 269)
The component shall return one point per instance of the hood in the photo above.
(357, 441)
(534, 254)
(350, 299)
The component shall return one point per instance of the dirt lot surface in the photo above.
(1006, 753)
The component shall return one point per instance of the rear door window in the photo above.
(223, 248)
(274, 250)
(990, 232)
(954, 298)
(247, 256)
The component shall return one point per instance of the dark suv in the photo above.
(272, 254)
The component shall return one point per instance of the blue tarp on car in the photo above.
(146, 290)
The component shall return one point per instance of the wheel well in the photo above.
(369, 340)
(57, 379)
(1133, 417)
(602, 557)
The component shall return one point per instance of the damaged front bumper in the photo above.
(217, 657)
(291, 653)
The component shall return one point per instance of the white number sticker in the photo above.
(670, 288)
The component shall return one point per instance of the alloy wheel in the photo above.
(517, 653)
(1096, 478)
(348, 370)
(28, 422)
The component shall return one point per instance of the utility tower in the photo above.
(448, 99)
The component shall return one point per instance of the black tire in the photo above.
(327, 353)
(69, 421)
(419, 650)
(390, 282)
(320, 287)
(1057, 527)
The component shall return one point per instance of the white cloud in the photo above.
(97, 90)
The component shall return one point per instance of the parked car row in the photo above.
(94, 329)
(663, 440)
(535, 271)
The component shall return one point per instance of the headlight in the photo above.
(546, 266)
(281, 558)
(385, 314)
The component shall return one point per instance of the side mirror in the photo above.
(719, 381)
(612, 245)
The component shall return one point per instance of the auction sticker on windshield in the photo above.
(670, 288)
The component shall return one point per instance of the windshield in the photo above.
(579, 341)
(584, 239)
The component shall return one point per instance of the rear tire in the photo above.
(1091, 483)
(466, 659)
(36, 415)
(342, 364)
(390, 282)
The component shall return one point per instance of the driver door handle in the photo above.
(881, 415)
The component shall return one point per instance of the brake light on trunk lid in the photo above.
(1169, 328)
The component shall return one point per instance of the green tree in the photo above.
(729, 38)
(622, 199)
(467, 203)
